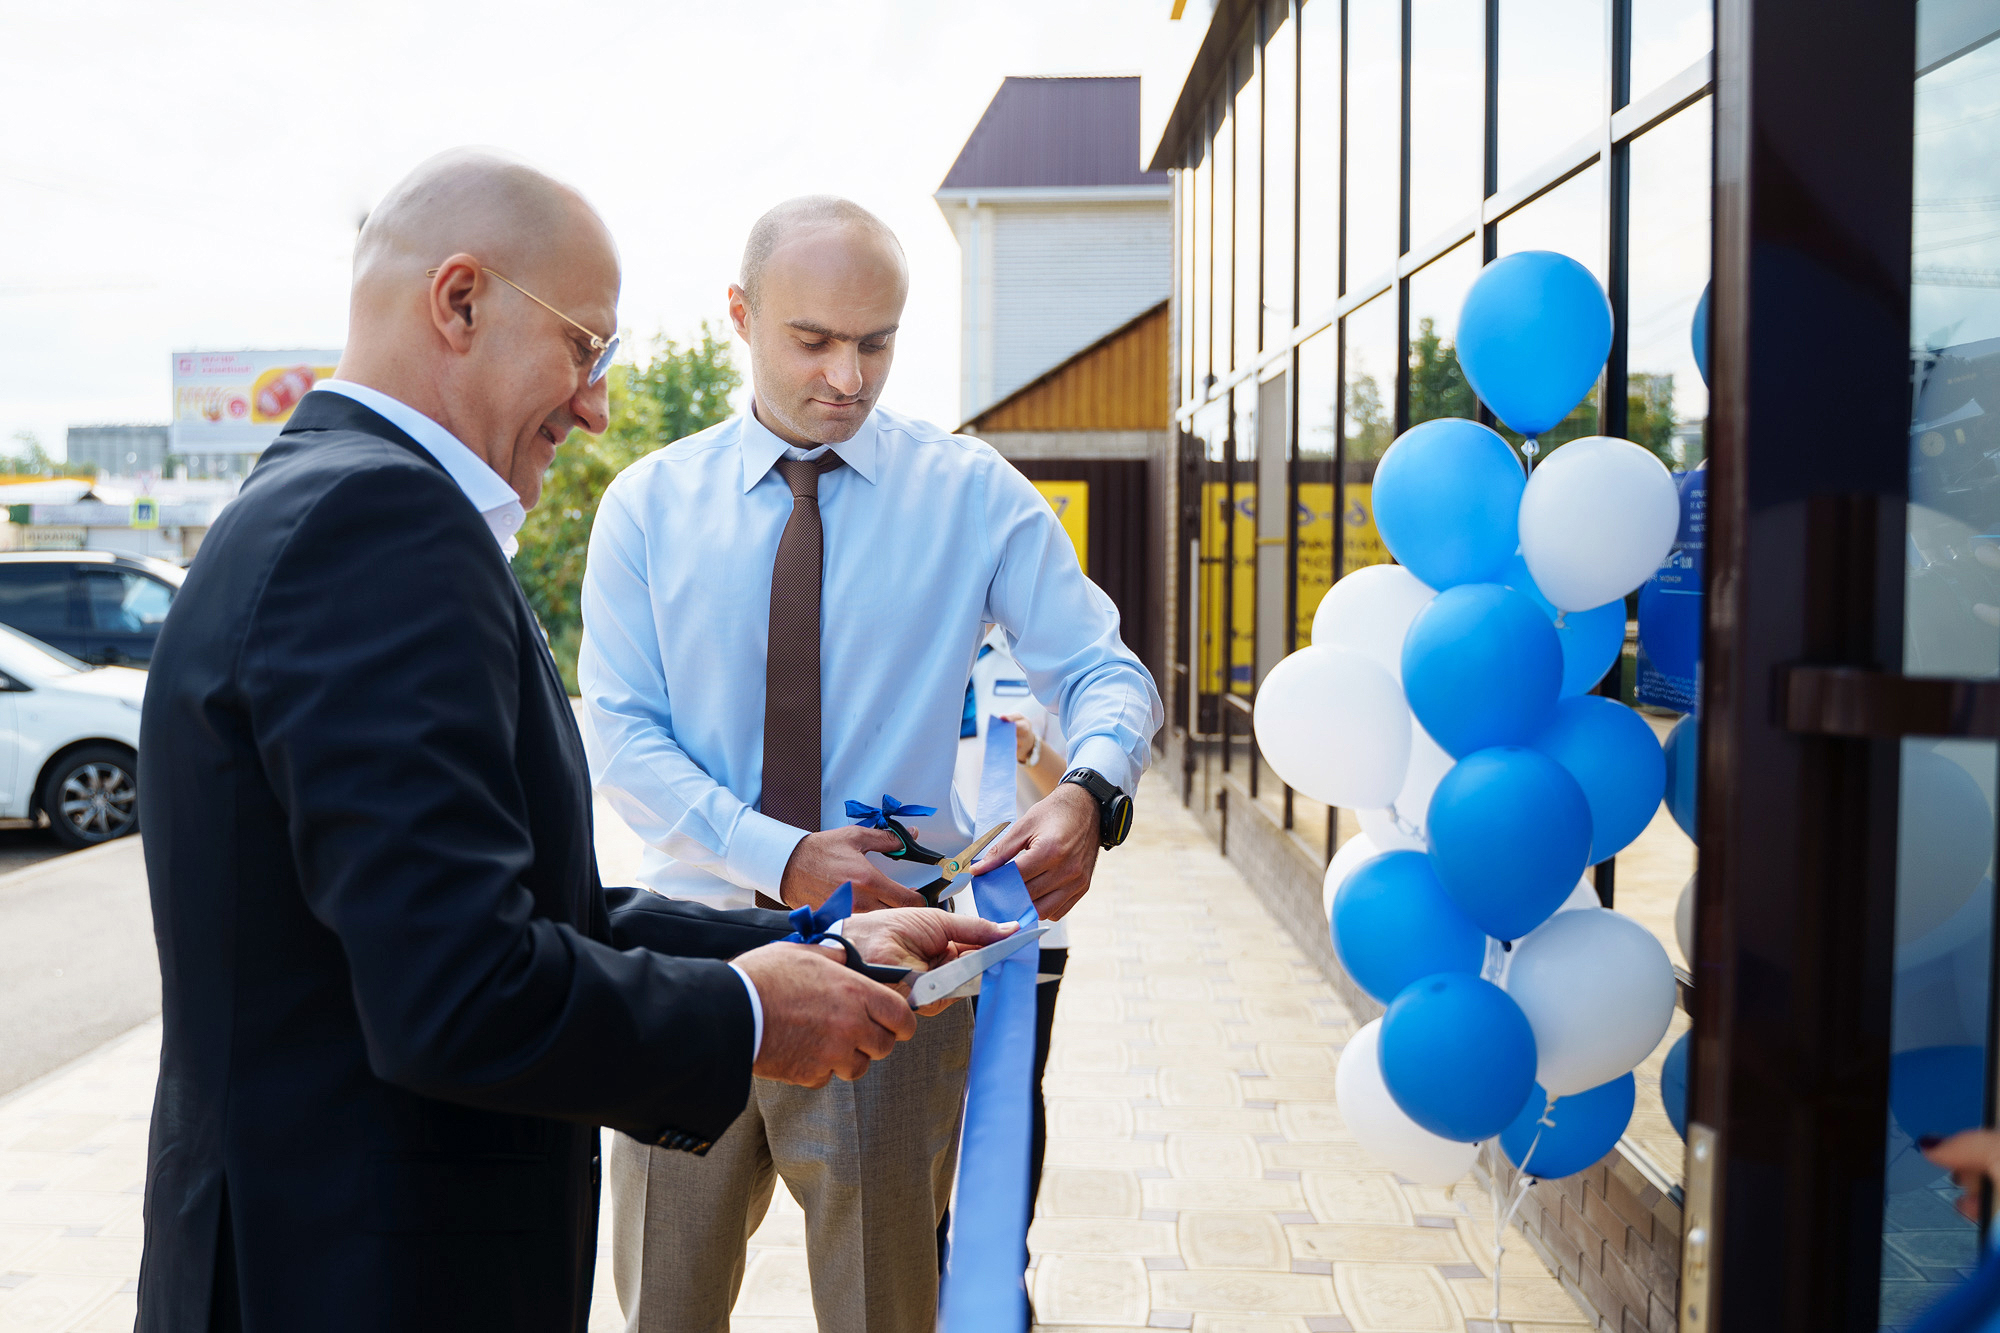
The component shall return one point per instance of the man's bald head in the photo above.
(799, 217)
(441, 315)
(513, 217)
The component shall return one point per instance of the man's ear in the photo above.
(739, 311)
(454, 287)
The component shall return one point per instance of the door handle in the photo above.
(1862, 702)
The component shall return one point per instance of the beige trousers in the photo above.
(870, 1162)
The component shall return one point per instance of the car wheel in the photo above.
(92, 796)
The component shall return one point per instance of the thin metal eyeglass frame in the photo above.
(605, 349)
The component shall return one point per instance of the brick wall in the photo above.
(1610, 1235)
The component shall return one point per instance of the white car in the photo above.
(69, 743)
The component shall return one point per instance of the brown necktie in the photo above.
(791, 668)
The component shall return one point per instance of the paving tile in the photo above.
(1243, 1292)
(1079, 1118)
(1293, 1059)
(1091, 1289)
(775, 1283)
(1200, 1088)
(1214, 1155)
(1206, 1119)
(1096, 1055)
(1348, 1241)
(1234, 1240)
(1335, 1156)
(1100, 1235)
(117, 1313)
(1395, 1298)
(1520, 1298)
(1356, 1196)
(1105, 1152)
(1077, 1192)
(51, 1301)
(1273, 1195)
(1233, 1323)
(1313, 1122)
(1060, 1083)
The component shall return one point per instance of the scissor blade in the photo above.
(943, 982)
(971, 854)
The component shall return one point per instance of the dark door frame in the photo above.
(1808, 483)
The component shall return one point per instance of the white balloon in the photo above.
(1684, 920)
(1581, 898)
(1597, 518)
(1333, 724)
(1352, 853)
(1370, 612)
(1598, 991)
(1380, 1126)
(1428, 764)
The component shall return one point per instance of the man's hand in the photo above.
(1970, 1155)
(922, 938)
(822, 862)
(1057, 844)
(821, 1019)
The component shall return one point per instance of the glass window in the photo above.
(1319, 379)
(1552, 80)
(1226, 212)
(1939, 1059)
(1374, 139)
(124, 602)
(1184, 194)
(1570, 220)
(1447, 79)
(1211, 431)
(1666, 400)
(1667, 37)
(1281, 93)
(1437, 290)
(1249, 196)
(1319, 157)
(1201, 304)
(34, 597)
(1243, 556)
(1367, 425)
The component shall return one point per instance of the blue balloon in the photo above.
(1700, 332)
(1583, 1128)
(1481, 667)
(1447, 502)
(1458, 1056)
(1510, 837)
(1591, 640)
(1392, 922)
(1674, 1084)
(1937, 1089)
(1683, 773)
(1532, 336)
(1616, 759)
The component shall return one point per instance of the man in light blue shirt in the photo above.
(929, 537)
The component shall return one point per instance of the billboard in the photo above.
(237, 402)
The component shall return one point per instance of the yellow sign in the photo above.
(1071, 501)
(145, 513)
(1360, 545)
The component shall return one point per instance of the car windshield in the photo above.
(24, 655)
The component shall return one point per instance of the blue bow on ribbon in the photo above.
(867, 816)
(810, 927)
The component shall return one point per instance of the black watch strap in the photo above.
(1114, 807)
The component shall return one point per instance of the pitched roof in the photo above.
(1043, 132)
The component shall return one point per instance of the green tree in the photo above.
(28, 459)
(1649, 414)
(1437, 382)
(1369, 427)
(678, 391)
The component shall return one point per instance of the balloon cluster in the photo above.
(1445, 699)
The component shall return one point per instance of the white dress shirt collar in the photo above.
(762, 449)
(486, 489)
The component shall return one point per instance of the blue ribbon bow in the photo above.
(867, 816)
(810, 927)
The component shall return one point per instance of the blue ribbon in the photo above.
(810, 927)
(867, 816)
(984, 1289)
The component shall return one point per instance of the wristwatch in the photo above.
(1114, 807)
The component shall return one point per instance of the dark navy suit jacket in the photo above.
(398, 1002)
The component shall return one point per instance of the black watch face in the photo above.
(1117, 820)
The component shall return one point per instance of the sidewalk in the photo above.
(1199, 1175)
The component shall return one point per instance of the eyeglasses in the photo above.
(605, 350)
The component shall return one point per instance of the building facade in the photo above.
(1342, 170)
(121, 451)
(1062, 237)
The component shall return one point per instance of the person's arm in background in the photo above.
(1043, 763)
(641, 770)
(1063, 630)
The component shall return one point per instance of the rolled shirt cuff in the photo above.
(759, 851)
(1107, 757)
(756, 1014)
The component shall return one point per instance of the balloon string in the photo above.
(1403, 826)
(1529, 449)
(1522, 1183)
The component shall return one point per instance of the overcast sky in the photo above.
(179, 176)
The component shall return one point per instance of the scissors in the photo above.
(953, 871)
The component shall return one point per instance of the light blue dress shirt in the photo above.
(930, 537)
